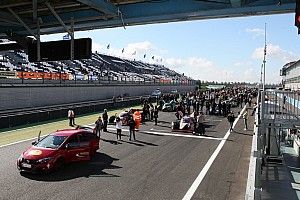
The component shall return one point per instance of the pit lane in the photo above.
(155, 166)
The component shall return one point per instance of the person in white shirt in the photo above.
(245, 117)
(71, 117)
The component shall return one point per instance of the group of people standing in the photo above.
(231, 119)
(150, 112)
(215, 102)
(134, 119)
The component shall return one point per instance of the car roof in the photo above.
(68, 132)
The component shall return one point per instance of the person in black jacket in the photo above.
(155, 114)
(105, 120)
(230, 119)
(131, 124)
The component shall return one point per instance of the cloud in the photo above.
(196, 67)
(274, 52)
(250, 75)
(199, 68)
(133, 50)
(256, 32)
(97, 47)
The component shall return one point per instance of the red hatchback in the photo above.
(58, 148)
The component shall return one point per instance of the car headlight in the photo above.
(44, 160)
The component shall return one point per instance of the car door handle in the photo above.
(82, 154)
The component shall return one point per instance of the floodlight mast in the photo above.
(264, 61)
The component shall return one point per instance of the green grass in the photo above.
(20, 133)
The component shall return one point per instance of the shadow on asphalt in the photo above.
(160, 125)
(146, 143)
(163, 122)
(138, 143)
(241, 133)
(132, 142)
(111, 141)
(93, 168)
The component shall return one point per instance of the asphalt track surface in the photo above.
(157, 165)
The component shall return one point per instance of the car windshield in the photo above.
(51, 141)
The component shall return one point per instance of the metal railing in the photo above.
(253, 188)
(277, 110)
(92, 82)
(280, 108)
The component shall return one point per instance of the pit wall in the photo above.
(36, 96)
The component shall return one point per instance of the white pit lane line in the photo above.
(182, 135)
(163, 132)
(210, 161)
(171, 134)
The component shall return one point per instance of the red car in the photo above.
(59, 148)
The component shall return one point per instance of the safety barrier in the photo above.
(34, 115)
(10, 77)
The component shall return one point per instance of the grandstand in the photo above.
(99, 67)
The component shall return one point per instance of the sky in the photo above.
(222, 50)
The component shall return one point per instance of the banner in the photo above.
(8, 74)
(39, 75)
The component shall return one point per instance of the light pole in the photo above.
(264, 61)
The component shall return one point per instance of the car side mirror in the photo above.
(33, 143)
(67, 146)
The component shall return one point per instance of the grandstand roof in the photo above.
(20, 16)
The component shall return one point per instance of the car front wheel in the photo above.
(59, 164)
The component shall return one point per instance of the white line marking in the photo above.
(181, 135)
(173, 134)
(210, 161)
(164, 131)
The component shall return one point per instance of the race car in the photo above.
(169, 107)
(124, 115)
(185, 124)
(56, 149)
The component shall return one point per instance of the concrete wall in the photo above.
(34, 96)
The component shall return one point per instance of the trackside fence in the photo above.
(35, 115)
